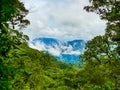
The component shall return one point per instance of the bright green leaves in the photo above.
(104, 50)
(97, 48)
(9, 38)
(38, 71)
(5, 40)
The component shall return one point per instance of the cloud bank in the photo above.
(55, 50)
(62, 19)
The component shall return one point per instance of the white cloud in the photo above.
(38, 45)
(56, 51)
(69, 50)
(62, 19)
(77, 52)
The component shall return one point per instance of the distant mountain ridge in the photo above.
(47, 41)
(67, 51)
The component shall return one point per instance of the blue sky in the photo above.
(62, 19)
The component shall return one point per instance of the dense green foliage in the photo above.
(24, 68)
(12, 14)
(10, 11)
(36, 70)
(102, 54)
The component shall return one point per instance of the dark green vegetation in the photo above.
(102, 55)
(23, 68)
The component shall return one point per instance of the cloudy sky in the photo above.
(62, 19)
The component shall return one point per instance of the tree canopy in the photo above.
(24, 68)
(12, 13)
(104, 51)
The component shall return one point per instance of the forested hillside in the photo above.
(24, 68)
(30, 69)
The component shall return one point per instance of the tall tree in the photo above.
(12, 14)
(109, 10)
(106, 49)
